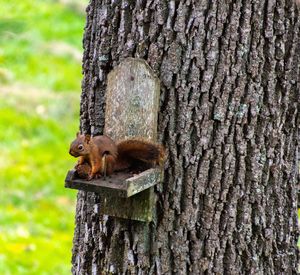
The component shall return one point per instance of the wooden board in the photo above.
(120, 184)
(138, 207)
(115, 184)
(132, 101)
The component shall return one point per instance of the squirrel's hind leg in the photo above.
(96, 167)
(109, 165)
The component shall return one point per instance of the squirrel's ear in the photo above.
(77, 134)
(87, 138)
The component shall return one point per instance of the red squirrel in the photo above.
(104, 156)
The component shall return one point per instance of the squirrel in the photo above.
(104, 156)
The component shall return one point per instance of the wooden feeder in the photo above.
(132, 101)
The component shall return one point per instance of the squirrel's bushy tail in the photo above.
(142, 150)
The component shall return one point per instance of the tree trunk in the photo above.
(229, 74)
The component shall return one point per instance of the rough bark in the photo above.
(229, 74)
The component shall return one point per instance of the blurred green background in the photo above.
(40, 77)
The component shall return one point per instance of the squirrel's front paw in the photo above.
(97, 176)
(94, 176)
(90, 177)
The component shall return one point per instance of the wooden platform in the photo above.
(123, 195)
(120, 184)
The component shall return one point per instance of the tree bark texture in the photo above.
(229, 104)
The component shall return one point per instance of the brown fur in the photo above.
(104, 156)
(91, 150)
(141, 149)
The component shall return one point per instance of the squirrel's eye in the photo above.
(80, 147)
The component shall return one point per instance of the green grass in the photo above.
(40, 43)
(40, 75)
(37, 213)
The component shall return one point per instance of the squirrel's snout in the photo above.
(74, 153)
